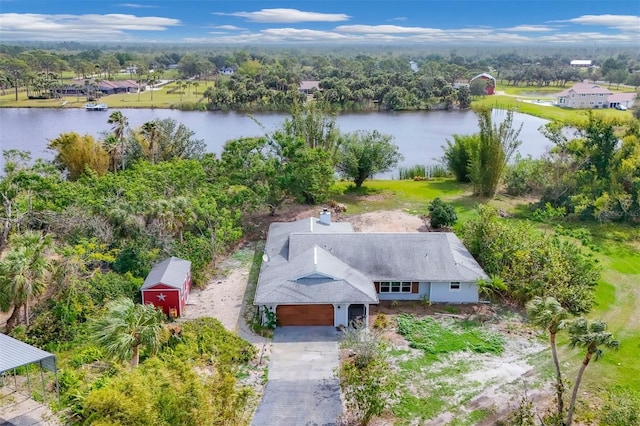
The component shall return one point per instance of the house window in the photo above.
(454, 286)
(395, 287)
(601, 94)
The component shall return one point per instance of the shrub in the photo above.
(366, 379)
(525, 176)
(381, 322)
(442, 214)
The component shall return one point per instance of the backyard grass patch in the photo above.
(440, 337)
(413, 196)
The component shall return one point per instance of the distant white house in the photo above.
(589, 95)
(227, 71)
(581, 63)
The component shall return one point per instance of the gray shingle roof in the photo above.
(314, 276)
(420, 256)
(307, 262)
(14, 354)
(171, 272)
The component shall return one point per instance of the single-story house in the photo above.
(168, 285)
(308, 86)
(227, 70)
(109, 87)
(319, 272)
(590, 95)
(491, 82)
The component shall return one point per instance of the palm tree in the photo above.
(589, 335)
(151, 81)
(150, 133)
(120, 124)
(195, 87)
(23, 273)
(549, 315)
(126, 327)
(111, 146)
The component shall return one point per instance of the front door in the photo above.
(357, 313)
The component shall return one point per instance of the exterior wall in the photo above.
(186, 290)
(440, 293)
(584, 101)
(340, 314)
(171, 299)
(423, 289)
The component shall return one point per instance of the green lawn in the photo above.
(567, 115)
(161, 99)
(409, 195)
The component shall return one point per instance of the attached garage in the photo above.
(304, 315)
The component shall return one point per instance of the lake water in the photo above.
(419, 135)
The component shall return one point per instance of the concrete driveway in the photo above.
(301, 388)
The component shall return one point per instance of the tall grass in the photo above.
(420, 171)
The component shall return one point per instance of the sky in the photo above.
(339, 22)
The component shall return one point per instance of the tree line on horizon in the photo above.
(268, 80)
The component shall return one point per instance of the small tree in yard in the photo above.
(366, 379)
(363, 154)
(442, 214)
(126, 327)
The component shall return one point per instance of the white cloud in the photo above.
(32, 26)
(389, 34)
(399, 19)
(137, 6)
(530, 29)
(295, 34)
(588, 37)
(384, 29)
(287, 16)
(228, 27)
(620, 22)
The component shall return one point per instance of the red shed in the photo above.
(168, 285)
(491, 82)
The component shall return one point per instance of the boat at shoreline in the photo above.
(96, 107)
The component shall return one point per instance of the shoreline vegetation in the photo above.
(531, 100)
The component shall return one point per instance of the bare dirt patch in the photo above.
(386, 221)
(467, 382)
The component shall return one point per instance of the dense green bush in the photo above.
(168, 393)
(525, 176)
(531, 263)
(442, 214)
